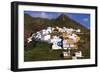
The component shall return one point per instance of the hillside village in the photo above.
(61, 38)
(55, 39)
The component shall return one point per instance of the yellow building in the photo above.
(70, 42)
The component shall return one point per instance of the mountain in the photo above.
(34, 24)
(66, 21)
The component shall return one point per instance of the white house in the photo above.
(78, 30)
(49, 30)
(55, 42)
(47, 37)
(66, 54)
(78, 54)
(29, 39)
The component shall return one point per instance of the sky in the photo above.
(83, 19)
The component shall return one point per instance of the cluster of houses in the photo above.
(66, 40)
